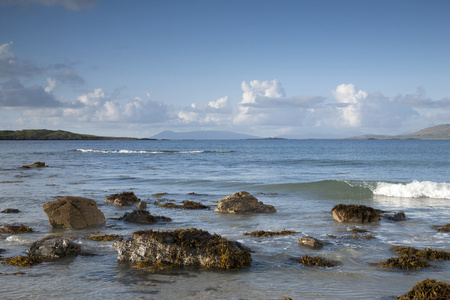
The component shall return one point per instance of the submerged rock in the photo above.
(122, 199)
(400, 216)
(142, 216)
(311, 242)
(428, 289)
(15, 229)
(10, 211)
(37, 164)
(53, 247)
(243, 202)
(355, 213)
(182, 248)
(74, 212)
(266, 234)
(141, 205)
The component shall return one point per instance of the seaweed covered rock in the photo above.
(316, 261)
(427, 253)
(187, 204)
(241, 203)
(265, 234)
(355, 213)
(15, 229)
(141, 205)
(428, 289)
(10, 211)
(73, 212)
(37, 164)
(53, 247)
(405, 262)
(182, 248)
(142, 216)
(442, 228)
(310, 242)
(122, 199)
(396, 217)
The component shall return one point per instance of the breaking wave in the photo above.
(124, 151)
(415, 189)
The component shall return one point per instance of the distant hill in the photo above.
(44, 134)
(202, 135)
(439, 132)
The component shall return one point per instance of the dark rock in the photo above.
(142, 216)
(74, 212)
(400, 216)
(122, 199)
(316, 261)
(182, 248)
(53, 247)
(310, 242)
(10, 211)
(15, 229)
(37, 164)
(355, 213)
(141, 205)
(243, 202)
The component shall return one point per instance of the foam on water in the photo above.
(415, 189)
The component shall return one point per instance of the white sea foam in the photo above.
(415, 189)
(124, 151)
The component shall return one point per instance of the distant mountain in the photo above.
(439, 132)
(44, 134)
(202, 135)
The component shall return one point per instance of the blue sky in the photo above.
(269, 68)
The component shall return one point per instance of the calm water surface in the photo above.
(303, 179)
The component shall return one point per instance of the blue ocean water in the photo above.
(303, 179)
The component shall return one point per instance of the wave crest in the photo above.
(124, 151)
(415, 189)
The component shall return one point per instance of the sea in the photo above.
(302, 179)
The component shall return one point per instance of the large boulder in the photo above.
(355, 213)
(182, 248)
(73, 212)
(53, 247)
(243, 202)
(122, 199)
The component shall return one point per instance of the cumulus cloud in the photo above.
(215, 112)
(75, 5)
(350, 100)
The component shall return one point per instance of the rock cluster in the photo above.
(182, 248)
(74, 212)
(241, 203)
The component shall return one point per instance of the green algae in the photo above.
(265, 234)
(428, 289)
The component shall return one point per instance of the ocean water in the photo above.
(303, 179)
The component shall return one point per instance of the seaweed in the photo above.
(187, 204)
(231, 256)
(358, 230)
(265, 234)
(15, 229)
(105, 237)
(23, 261)
(316, 261)
(442, 228)
(427, 253)
(405, 262)
(428, 289)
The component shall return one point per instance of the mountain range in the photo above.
(439, 132)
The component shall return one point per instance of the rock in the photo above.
(310, 242)
(15, 229)
(142, 216)
(400, 216)
(141, 205)
(122, 199)
(355, 213)
(73, 212)
(53, 247)
(37, 164)
(243, 202)
(182, 248)
(10, 211)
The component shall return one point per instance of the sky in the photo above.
(270, 68)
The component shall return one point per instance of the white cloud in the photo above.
(350, 109)
(218, 112)
(75, 5)
(51, 85)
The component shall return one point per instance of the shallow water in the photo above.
(303, 179)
